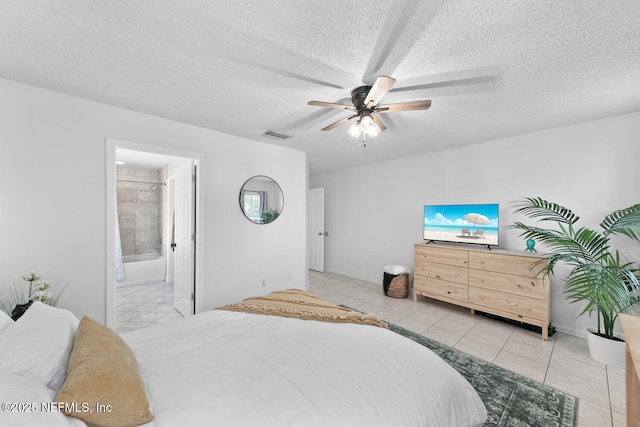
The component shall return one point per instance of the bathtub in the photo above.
(143, 268)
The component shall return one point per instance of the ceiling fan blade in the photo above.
(339, 122)
(404, 106)
(331, 105)
(378, 122)
(447, 82)
(378, 90)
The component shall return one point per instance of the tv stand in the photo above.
(430, 241)
(502, 283)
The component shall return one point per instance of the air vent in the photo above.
(276, 135)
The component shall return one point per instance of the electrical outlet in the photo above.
(264, 283)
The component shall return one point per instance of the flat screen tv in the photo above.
(477, 223)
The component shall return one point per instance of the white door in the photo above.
(316, 228)
(184, 249)
(170, 231)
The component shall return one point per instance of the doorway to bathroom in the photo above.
(154, 215)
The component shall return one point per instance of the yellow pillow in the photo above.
(103, 384)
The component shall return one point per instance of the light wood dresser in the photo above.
(499, 282)
(631, 328)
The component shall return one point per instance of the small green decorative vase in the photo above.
(531, 246)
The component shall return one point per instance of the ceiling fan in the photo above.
(366, 106)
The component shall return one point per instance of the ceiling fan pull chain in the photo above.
(364, 140)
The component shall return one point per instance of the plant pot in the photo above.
(604, 350)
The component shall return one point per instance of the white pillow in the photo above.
(38, 344)
(30, 404)
(5, 320)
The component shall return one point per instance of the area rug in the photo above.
(510, 399)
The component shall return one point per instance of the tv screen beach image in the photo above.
(473, 223)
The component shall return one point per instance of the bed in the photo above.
(237, 366)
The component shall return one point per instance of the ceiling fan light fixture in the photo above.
(373, 131)
(366, 123)
(354, 130)
(369, 126)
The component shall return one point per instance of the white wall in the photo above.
(53, 199)
(374, 213)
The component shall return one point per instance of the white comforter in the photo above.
(223, 368)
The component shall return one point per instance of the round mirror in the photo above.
(261, 199)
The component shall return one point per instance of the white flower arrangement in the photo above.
(42, 292)
(39, 290)
(32, 276)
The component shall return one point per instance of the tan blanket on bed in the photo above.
(302, 305)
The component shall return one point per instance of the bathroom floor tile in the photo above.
(139, 306)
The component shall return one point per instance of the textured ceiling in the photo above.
(493, 68)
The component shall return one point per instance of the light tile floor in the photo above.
(562, 362)
(139, 306)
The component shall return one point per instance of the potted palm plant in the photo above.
(598, 276)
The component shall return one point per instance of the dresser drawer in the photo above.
(438, 255)
(436, 287)
(519, 306)
(503, 263)
(519, 285)
(447, 273)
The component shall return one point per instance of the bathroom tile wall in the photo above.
(140, 195)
